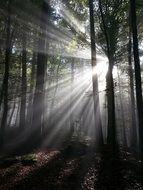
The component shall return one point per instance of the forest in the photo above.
(71, 100)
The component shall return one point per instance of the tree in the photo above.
(133, 139)
(109, 25)
(71, 96)
(137, 73)
(32, 81)
(23, 83)
(38, 102)
(6, 73)
(99, 135)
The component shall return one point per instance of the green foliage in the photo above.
(115, 15)
(28, 158)
(72, 47)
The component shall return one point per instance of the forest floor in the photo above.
(75, 167)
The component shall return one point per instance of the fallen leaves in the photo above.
(72, 168)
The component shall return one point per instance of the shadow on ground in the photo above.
(73, 168)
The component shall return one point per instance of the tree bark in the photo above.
(6, 75)
(124, 138)
(71, 97)
(23, 83)
(111, 129)
(38, 102)
(32, 82)
(51, 118)
(98, 125)
(133, 138)
(137, 74)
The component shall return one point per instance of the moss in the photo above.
(28, 159)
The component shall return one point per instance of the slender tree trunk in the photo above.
(1, 94)
(133, 138)
(6, 75)
(32, 77)
(14, 103)
(137, 74)
(111, 131)
(71, 98)
(98, 133)
(122, 113)
(12, 113)
(51, 119)
(10, 42)
(23, 83)
(38, 102)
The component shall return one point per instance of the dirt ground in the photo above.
(77, 167)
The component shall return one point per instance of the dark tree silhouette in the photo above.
(6, 73)
(98, 125)
(137, 73)
(23, 82)
(111, 136)
(133, 138)
(38, 102)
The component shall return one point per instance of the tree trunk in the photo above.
(51, 118)
(133, 138)
(6, 75)
(137, 74)
(111, 132)
(124, 138)
(98, 129)
(38, 102)
(32, 78)
(71, 97)
(111, 129)
(23, 83)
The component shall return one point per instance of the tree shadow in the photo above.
(117, 172)
(65, 171)
(79, 167)
(109, 170)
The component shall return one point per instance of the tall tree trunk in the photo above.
(124, 138)
(38, 102)
(71, 97)
(98, 132)
(137, 74)
(12, 31)
(31, 91)
(6, 75)
(111, 131)
(23, 83)
(51, 118)
(133, 138)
